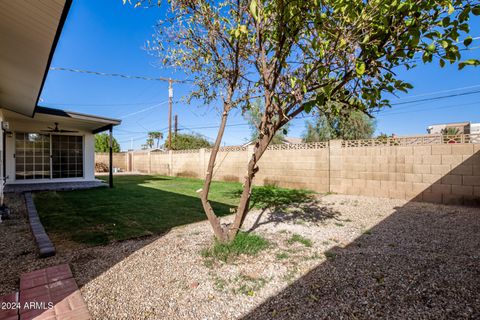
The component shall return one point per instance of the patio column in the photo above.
(110, 158)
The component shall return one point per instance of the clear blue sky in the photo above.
(108, 37)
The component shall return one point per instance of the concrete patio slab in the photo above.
(54, 186)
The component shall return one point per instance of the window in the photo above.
(33, 161)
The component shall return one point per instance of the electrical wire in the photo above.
(143, 110)
(437, 98)
(97, 73)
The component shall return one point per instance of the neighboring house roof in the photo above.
(286, 140)
(451, 124)
(29, 32)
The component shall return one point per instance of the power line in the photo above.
(143, 110)
(97, 73)
(441, 91)
(431, 109)
(437, 98)
(100, 104)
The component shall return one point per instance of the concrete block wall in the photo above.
(160, 163)
(119, 159)
(448, 173)
(303, 168)
(230, 165)
(441, 173)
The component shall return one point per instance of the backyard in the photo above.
(141, 205)
(308, 254)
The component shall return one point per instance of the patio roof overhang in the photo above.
(29, 31)
(66, 119)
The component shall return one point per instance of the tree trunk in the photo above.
(220, 233)
(252, 169)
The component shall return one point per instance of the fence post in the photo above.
(201, 163)
(132, 161)
(335, 166)
(170, 163)
(149, 162)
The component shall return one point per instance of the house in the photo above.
(459, 127)
(39, 144)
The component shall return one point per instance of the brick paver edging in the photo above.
(45, 246)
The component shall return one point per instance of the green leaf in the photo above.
(476, 11)
(431, 47)
(360, 68)
(243, 28)
(442, 63)
(254, 9)
(307, 106)
(451, 9)
(468, 40)
(469, 62)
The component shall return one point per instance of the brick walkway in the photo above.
(46, 294)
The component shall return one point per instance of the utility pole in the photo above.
(170, 102)
(175, 125)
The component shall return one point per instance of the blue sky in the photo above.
(108, 37)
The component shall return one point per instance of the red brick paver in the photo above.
(51, 294)
(44, 276)
(8, 306)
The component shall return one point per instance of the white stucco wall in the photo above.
(32, 127)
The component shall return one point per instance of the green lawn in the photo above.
(144, 205)
(137, 206)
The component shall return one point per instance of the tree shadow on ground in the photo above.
(90, 235)
(138, 206)
(309, 212)
(422, 262)
(281, 205)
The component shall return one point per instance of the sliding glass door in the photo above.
(32, 156)
(67, 156)
(45, 156)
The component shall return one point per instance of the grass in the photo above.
(273, 196)
(143, 205)
(298, 238)
(137, 206)
(282, 256)
(249, 286)
(244, 243)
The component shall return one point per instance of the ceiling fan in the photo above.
(56, 130)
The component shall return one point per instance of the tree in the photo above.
(150, 142)
(332, 56)
(102, 143)
(156, 135)
(254, 117)
(356, 125)
(183, 141)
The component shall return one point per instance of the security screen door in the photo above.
(45, 156)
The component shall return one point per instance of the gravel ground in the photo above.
(370, 258)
